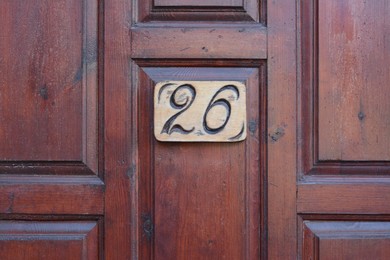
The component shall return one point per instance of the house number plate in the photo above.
(200, 111)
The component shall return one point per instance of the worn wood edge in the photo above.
(337, 179)
(62, 227)
(10, 179)
(226, 15)
(46, 168)
(347, 169)
(147, 64)
(343, 217)
(51, 217)
(190, 26)
(321, 228)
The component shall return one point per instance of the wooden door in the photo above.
(82, 175)
(196, 200)
(343, 130)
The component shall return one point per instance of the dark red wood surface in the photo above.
(353, 75)
(190, 189)
(40, 240)
(343, 165)
(281, 129)
(40, 80)
(82, 176)
(51, 161)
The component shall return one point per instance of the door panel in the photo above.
(353, 76)
(48, 80)
(48, 240)
(203, 199)
(343, 90)
(40, 109)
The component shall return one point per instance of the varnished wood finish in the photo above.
(51, 147)
(342, 166)
(33, 240)
(48, 80)
(322, 108)
(37, 89)
(26, 194)
(201, 198)
(281, 129)
(120, 146)
(353, 75)
(347, 195)
(199, 42)
(82, 176)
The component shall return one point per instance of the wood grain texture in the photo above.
(353, 92)
(48, 81)
(48, 240)
(200, 198)
(346, 240)
(346, 195)
(200, 111)
(281, 129)
(309, 119)
(343, 183)
(120, 140)
(26, 194)
(199, 42)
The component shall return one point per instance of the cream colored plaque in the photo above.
(200, 111)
